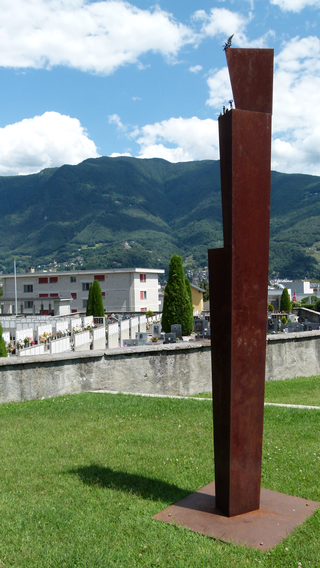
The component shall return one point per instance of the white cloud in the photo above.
(117, 154)
(296, 121)
(115, 119)
(221, 21)
(219, 88)
(195, 68)
(179, 139)
(44, 141)
(92, 36)
(294, 5)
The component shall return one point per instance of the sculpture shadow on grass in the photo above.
(153, 489)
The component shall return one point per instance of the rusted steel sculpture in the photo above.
(238, 275)
(230, 508)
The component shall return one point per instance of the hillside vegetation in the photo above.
(126, 212)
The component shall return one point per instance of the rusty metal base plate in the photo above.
(278, 515)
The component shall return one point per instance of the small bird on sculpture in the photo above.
(228, 43)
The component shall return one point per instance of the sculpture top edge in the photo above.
(251, 76)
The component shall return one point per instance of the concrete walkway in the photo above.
(304, 407)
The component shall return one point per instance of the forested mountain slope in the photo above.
(121, 212)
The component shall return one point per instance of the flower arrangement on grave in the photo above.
(77, 329)
(63, 333)
(10, 347)
(90, 326)
(27, 340)
(45, 337)
(20, 344)
(154, 339)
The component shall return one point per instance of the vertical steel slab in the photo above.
(238, 276)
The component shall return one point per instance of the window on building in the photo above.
(43, 280)
(74, 295)
(143, 309)
(143, 295)
(84, 303)
(143, 277)
(99, 277)
(103, 294)
(53, 279)
(85, 286)
(73, 279)
(28, 304)
(73, 311)
(54, 295)
(43, 295)
(28, 288)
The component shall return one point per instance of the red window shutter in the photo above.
(74, 295)
(43, 280)
(53, 279)
(99, 277)
(43, 295)
(54, 295)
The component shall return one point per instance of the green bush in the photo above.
(95, 302)
(270, 308)
(285, 304)
(284, 320)
(189, 310)
(176, 302)
(3, 349)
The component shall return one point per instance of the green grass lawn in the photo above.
(81, 477)
(302, 390)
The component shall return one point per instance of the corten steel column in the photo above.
(238, 276)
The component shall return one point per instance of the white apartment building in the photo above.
(123, 290)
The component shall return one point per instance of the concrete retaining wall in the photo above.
(293, 355)
(173, 369)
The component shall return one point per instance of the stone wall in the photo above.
(174, 369)
(293, 355)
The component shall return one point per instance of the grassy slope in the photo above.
(301, 390)
(81, 477)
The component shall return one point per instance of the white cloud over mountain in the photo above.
(179, 140)
(41, 142)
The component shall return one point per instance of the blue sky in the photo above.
(103, 78)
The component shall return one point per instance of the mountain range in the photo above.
(130, 212)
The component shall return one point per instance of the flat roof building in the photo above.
(123, 290)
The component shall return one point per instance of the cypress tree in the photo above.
(97, 301)
(89, 311)
(176, 300)
(189, 311)
(3, 349)
(285, 304)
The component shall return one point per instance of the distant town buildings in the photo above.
(298, 290)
